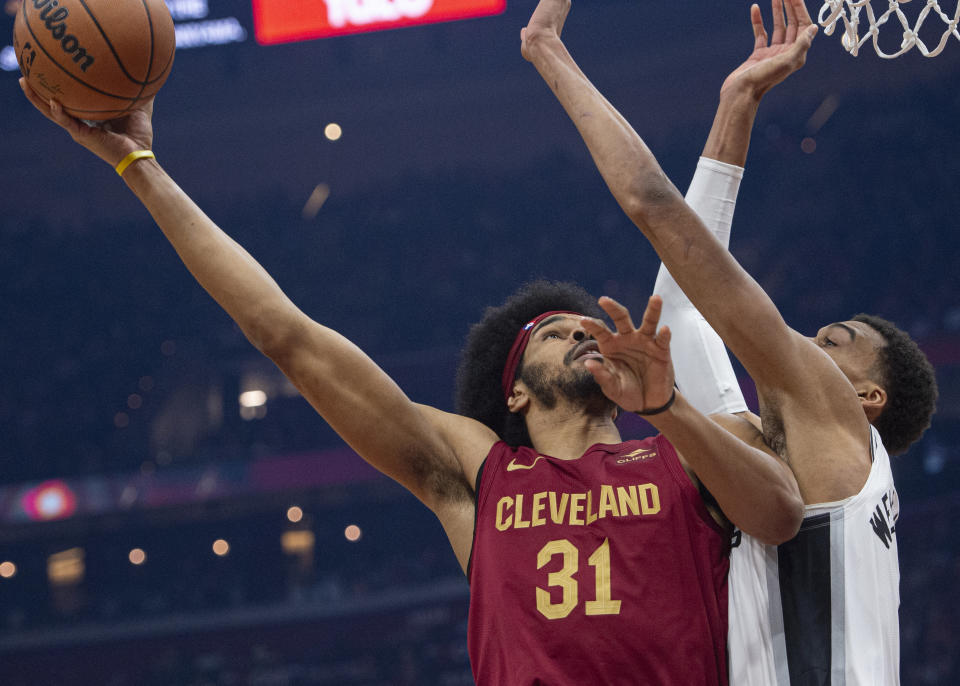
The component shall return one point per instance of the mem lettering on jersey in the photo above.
(822, 607)
(282, 21)
(884, 517)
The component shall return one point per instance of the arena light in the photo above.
(220, 547)
(8, 570)
(294, 514)
(297, 542)
(333, 131)
(250, 413)
(50, 500)
(8, 59)
(319, 196)
(352, 533)
(253, 398)
(282, 21)
(66, 568)
(253, 405)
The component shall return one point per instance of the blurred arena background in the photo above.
(172, 513)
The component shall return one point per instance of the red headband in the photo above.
(519, 345)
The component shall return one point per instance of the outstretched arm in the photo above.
(732, 301)
(433, 454)
(703, 369)
(796, 378)
(755, 489)
(704, 373)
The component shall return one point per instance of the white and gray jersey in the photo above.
(822, 608)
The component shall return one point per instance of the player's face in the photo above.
(553, 360)
(854, 347)
(560, 341)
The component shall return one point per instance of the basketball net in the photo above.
(849, 11)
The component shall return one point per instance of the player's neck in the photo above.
(567, 431)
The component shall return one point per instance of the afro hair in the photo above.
(479, 393)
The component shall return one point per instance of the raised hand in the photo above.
(111, 140)
(636, 371)
(546, 22)
(786, 51)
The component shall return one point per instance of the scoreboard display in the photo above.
(202, 23)
(283, 21)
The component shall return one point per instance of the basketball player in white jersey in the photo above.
(823, 607)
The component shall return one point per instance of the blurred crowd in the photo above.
(387, 610)
(118, 362)
(110, 339)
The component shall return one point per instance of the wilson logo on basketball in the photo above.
(55, 20)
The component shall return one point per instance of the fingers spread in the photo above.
(800, 10)
(651, 316)
(663, 337)
(759, 31)
(618, 313)
(596, 328)
(791, 22)
(803, 43)
(779, 29)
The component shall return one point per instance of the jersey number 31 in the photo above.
(599, 560)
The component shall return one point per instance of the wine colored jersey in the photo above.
(606, 569)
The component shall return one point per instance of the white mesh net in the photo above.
(849, 13)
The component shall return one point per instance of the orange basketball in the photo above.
(98, 58)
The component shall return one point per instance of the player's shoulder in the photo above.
(469, 441)
(744, 425)
(816, 399)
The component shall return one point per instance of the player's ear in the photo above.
(519, 398)
(873, 398)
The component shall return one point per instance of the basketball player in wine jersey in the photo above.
(821, 608)
(591, 560)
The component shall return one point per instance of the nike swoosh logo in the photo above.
(513, 466)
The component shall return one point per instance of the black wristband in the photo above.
(662, 408)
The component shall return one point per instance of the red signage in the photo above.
(285, 21)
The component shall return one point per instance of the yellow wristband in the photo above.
(133, 157)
